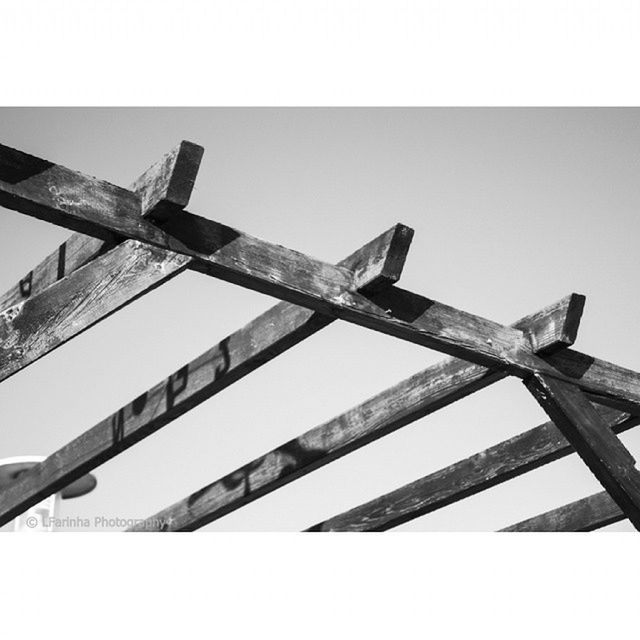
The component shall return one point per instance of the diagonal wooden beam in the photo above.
(54, 311)
(499, 463)
(72, 254)
(600, 449)
(82, 203)
(164, 189)
(588, 514)
(65, 197)
(376, 265)
(34, 328)
(407, 401)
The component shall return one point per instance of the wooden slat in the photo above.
(164, 189)
(407, 401)
(60, 311)
(75, 252)
(30, 330)
(499, 463)
(68, 198)
(588, 514)
(267, 336)
(600, 449)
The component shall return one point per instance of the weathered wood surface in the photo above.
(75, 252)
(163, 189)
(55, 313)
(44, 322)
(263, 339)
(600, 449)
(407, 401)
(499, 463)
(65, 197)
(588, 514)
(555, 327)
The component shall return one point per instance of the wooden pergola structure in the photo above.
(126, 242)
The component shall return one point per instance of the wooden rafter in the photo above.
(66, 197)
(88, 279)
(135, 242)
(600, 449)
(91, 293)
(375, 266)
(419, 395)
(163, 189)
(495, 465)
(588, 514)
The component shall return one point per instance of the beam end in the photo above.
(555, 327)
(166, 187)
(380, 262)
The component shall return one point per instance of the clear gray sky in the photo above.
(512, 208)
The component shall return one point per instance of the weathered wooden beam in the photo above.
(73, 303)
(495, 465)
(72, 254)
(588, 514)
(163, 189)
(377, 264)
(30, 330)
(407, 401)
(57, 194)
(600, 449)
(555, 327)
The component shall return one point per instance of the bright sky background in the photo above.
(512, 208)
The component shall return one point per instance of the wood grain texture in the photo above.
(499, 463)
(239, 354)
(588, 514)
(74, 253)
(65, 197)
(600, 449)
(11, 471)
(62, 308)
(411, 399)
(164, 189)
(555, 329)
(31, 329)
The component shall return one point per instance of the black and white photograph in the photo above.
(319, 319)
(331, 319)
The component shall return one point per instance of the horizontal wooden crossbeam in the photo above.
(375, 266)
(54, 193)
(406, 402)
(588, 514)
(495, 465)
(88, 279)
